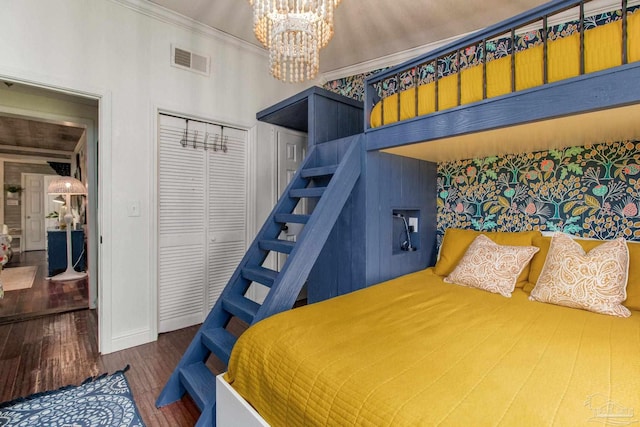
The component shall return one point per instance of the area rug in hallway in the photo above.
(104, 401)
(16, 278)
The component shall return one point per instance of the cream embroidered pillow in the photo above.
(492, 267)
(594, 281)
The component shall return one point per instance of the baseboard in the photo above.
(131, 339)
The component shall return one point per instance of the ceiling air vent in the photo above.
(188, 60)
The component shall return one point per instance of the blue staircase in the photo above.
(192, 375)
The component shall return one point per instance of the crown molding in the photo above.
(387, 61)
(168, 16)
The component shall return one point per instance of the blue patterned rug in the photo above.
(104, 401)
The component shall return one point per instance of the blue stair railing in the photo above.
(192, 375)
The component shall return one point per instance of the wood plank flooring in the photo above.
(45, 296)
(50, 352)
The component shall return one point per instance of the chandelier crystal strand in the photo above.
(294, 31)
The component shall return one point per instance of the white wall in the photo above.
(110, 49)
(18, 99)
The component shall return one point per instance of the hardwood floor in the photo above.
(53, 351)
(45, 296)
(48, 351)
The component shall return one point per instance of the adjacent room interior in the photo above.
(44, 137)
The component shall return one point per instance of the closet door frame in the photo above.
(154, 225)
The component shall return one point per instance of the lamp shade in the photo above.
(66, 185)
(60, 200)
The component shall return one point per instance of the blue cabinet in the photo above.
(363, 247)
(57, 250)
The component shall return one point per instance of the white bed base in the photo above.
(232, 410)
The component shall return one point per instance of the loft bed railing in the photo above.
(403, 84)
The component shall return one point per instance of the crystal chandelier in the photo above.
(294, 31)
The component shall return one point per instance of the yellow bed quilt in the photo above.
(603, 49)
(418, 351)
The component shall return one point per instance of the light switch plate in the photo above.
(413, 222)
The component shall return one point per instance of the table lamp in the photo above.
(67, 186)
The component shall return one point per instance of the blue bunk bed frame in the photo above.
(614, 87)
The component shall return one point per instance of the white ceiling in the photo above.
(367, 29)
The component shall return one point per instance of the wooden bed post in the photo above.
(581, 37)
(484, 68)
(459, 73)
(382, 102)
(545, 49)
(513, 59)
(625, 30)
(398, 93)
(415, 86)
(437, 89)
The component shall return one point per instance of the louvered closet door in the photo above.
(202, 217)
(182, 227)
(227, 209)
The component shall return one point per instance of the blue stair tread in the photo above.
(282, 246)
(260, 274)
(208, 418)
(319, 171)
(294, 218)
(241, 307)
(220, 342)
(307, 192)
(200, 384)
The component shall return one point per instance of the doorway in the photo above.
(292, 149)
(35, 204)
(38, 145)
(281, 152)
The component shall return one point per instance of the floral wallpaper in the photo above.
(353, 86)
(590, 191)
